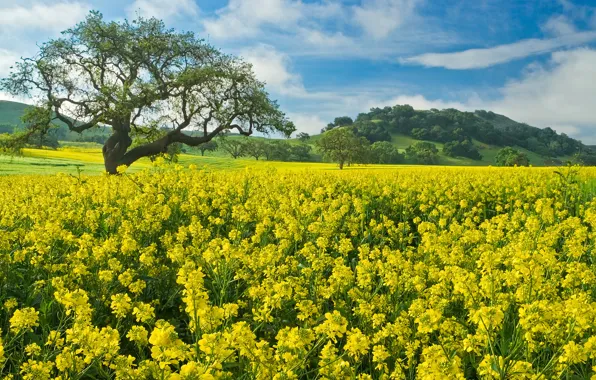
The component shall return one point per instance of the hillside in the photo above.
(403, 126)
(10, 120)
(475, 134)
(10, 115)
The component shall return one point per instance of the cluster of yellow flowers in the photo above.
(412, 273)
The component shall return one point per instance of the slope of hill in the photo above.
(402, 126)
(10, 121)
(482, 132)
(10, 115)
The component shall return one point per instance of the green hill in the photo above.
(402, 126)
(10, 121)
(10, 115)
(474, 134)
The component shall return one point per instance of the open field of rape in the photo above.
(412, 273)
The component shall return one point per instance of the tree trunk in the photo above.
(115, 148)
(341, 165)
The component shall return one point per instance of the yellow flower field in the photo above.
(413, 273)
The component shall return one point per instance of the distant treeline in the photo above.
(458, 129)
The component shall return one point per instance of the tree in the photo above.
(464, 148)
(138, 77)
(341, 145)
(278, 151)
(13, 144)
(300, 153)
(424, 153)
(384, 152)
(343, 121)
(210, 146)
(303, 136)
(39, 127)
(511, 157)
(233, 147)
(254, 148)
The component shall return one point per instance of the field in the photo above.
(265, 273)
(86, 159)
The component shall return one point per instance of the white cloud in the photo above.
(165, 10)
(379, 18)
(39, 16)
(244, 18)
(7, 59)
(320, 39)
(559, 26)
(559, 95)
(482, 58)
(308, 123)
(273, 67)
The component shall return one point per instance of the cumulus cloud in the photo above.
(274, 68)
(165, 10)
(41, 16)
(559, 26)
(7, 59)
(243, 18)
(379, 18)
(559, 95)
(483, 58)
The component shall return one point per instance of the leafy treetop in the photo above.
(144, 80)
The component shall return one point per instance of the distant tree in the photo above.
(278, 151)
(424, 153)
(420, 133)
(13, 144)
(341, 145)
(137, 77)
(234, 147)
(329, 127)
(585, 158)
(511, 157)
(303, 136)
(300, 153)
(384, 152)
(373, 131)
(254, 148)
(464, 148)
(343, 121)
(210, 146)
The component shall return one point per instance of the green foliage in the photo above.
(12, 144)
(423, 153)
(210, 146)
(452, 125)
(234, 147)
(303, 136)
(254, 148)
(464, 148)
(372, 131)
(511, 157)
(341, 145)
(138, 77)
(383, 152)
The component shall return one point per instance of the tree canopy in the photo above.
(144, 81)
(342, 146)
(511, 157)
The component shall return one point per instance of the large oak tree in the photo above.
(148, 83)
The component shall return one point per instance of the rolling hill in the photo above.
(10, 121)
(403, 126)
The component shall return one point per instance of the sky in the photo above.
(532, 60)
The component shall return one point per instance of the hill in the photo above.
(10, 115)
(403, 126)
(10, 121)
(477, 136)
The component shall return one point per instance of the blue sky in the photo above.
(534, 61)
